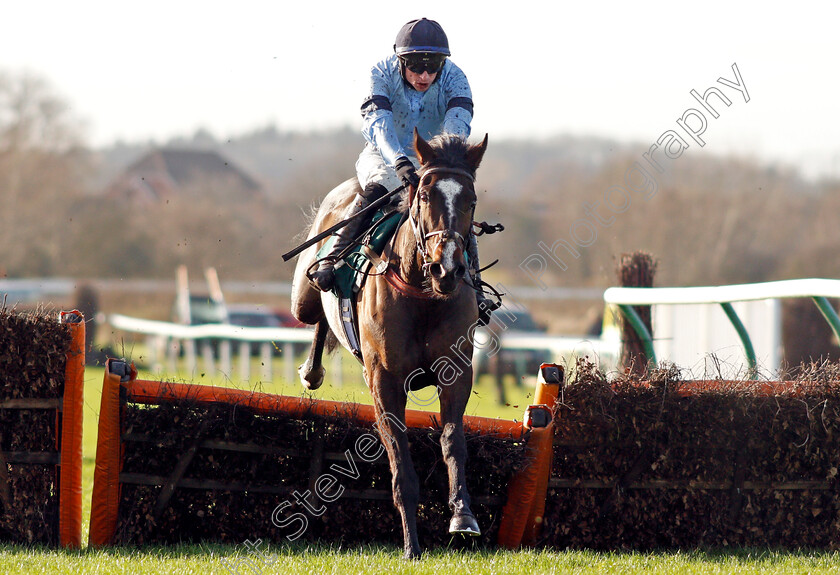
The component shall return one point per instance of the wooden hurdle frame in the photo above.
(522, 515)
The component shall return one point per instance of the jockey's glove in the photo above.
(405, 170)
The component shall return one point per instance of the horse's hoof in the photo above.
(464, 525)
(412, 554)
(311, 379)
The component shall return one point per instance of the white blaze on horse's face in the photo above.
(449, 189)
(447, 267)
(447, 257)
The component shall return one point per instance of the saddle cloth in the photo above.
(350, 275)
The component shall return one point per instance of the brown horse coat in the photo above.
(411, 342)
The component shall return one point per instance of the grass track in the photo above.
(212, 558)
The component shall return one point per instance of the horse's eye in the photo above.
(424, 196)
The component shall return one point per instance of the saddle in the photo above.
(355, 266)
(352, 271)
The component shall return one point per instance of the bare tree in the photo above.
(41, 168)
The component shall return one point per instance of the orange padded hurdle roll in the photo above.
(153, 392)
(109, 459)
(70, 447)
(522, 516)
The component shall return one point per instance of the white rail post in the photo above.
(338, 380)
(244, 360)
(156, 351)
(189, 355)
(172, 349)
(207, 356)
(265, 358)
(224, 357)
(288, 349)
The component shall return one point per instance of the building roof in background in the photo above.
(166, 172)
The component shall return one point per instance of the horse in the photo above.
(412, 319)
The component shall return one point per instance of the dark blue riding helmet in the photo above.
(421, 46)
(421, 36)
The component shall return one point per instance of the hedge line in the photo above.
(644, 463)
(195, 514)
(33, 348)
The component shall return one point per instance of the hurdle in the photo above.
(122, 389)
(62, 508)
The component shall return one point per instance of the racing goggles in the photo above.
(420, 62)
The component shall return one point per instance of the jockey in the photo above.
(417, 86)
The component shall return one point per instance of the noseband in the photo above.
(443, 236)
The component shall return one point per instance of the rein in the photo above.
(392, 275)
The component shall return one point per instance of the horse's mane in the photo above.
(450, 152)
(309, 214)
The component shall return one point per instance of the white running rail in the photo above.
(164, 338)
(817, 289)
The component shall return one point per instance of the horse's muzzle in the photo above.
(439, 273)
(448, 266)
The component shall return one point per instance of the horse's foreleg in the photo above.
(390, 423)
(312, 372)
(453, 402)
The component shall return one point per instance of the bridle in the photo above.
(421, 237)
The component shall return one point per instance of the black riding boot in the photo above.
(324, 277)
(486, 306)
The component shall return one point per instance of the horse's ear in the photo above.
(476, 153)
(424, 151)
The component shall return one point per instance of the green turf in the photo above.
(225, 559)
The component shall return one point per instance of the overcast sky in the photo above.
(153, 69)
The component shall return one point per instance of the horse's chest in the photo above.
(412, 347)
